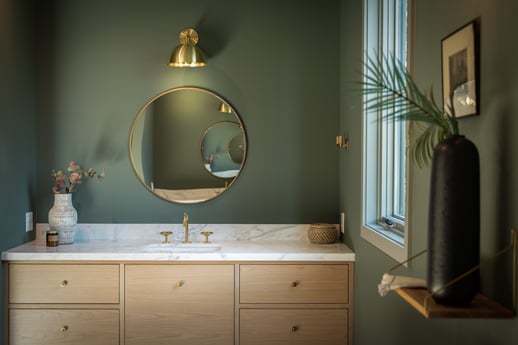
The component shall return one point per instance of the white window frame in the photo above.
(380, 149)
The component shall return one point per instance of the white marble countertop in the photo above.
(137, 250)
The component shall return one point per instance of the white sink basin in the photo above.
(182, 247)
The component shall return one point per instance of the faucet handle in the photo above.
(166, 235)
(206, 234)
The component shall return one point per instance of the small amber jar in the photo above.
(52, 238)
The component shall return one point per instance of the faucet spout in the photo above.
(186, 226)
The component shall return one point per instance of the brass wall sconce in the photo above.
(224, 108)
(188, 54)
(342, 142)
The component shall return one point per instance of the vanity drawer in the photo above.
(34, 283)
(55, 327)
(294, 283)
(179, 304)
(293, 326)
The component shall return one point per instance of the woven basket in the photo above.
(322, 233)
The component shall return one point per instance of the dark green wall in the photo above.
(17, 123)
(109, 58)
(389, 320)
(100, 61)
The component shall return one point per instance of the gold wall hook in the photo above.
(342, 142)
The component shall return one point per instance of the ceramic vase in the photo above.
(454, 222)
(63, 218)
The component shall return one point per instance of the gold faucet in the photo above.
(186, 226)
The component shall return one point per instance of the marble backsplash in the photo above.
(151, 232)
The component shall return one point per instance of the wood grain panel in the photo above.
(179, 304)
(57, 327)
(294, 283)
(293, 326)
(34, 283)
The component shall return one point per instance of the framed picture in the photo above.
(460, 82)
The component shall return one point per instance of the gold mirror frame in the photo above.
(183, 114)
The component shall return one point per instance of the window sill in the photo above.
(387, 241)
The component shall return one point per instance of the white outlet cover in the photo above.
(28, 221)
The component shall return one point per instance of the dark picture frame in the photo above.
(460, 77)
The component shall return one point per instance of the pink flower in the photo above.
(73, 165)
(75, 177)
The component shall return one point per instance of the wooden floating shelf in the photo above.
(480, 307)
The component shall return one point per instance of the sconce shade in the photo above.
(224, 108)
(188, 54)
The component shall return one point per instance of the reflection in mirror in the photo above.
(169, 134)
(222, 149)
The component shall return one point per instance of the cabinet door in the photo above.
(60, 327)
(294, 283)
(35, 283)
(293, 326)
(179, 304)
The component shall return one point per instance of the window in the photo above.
(385, 169)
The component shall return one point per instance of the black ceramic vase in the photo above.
(454, 221)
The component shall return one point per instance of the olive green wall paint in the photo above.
(100, 61)
(388, 319)
(17, 123)
(109, 58)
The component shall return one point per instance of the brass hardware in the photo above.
(179, 284)
(166, 235)
(294, 328)
(64, 283)
(342, 143)
(186, 226)
(206, 234)
(188, 54)
(224, 108)
(514, 246)
(294, 284)
(64, 328)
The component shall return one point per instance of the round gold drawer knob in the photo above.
(64, 328)
(294, 328)
(179, 284)
(64, 283)
(294, 284)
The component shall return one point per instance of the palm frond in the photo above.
(389, 89)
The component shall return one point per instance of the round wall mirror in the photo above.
(223, 149)
(187, 145)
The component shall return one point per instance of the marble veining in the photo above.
(129, 242)
(151, 232)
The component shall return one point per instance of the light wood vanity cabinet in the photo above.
(54, 304)
(276, 326)
(295, 304)
(179, 304)
(155, 303)
(39, 283)
(63, 326)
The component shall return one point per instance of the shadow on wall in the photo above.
(216, 30)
